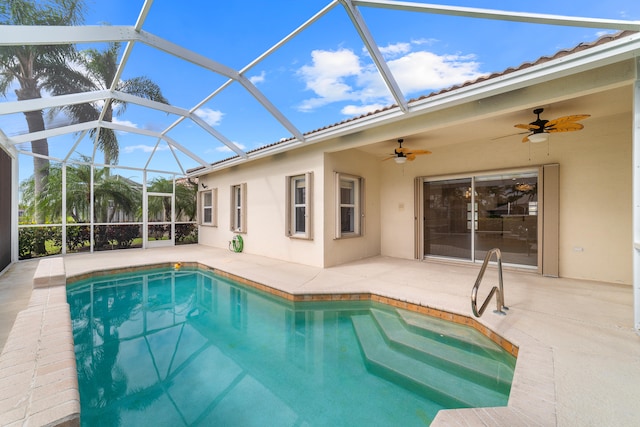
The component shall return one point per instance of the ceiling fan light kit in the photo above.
(539, 137)
(400, 160)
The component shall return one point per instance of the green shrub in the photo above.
(186, 233)
(31, 238)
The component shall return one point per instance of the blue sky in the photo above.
(323, 75)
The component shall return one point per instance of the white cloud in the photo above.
(224, 149)
(144, 148)
(327, 76)
(124, 123)
(341, 75)
(258, 79)
(358, 110)
(394, 50)
(423, 41)
(423, 70)
(212, 117)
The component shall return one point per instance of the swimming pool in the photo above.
(189, 347)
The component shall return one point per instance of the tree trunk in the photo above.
(35, 122)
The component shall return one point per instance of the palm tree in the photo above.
(109, 191)
(100, 69)
(185, 205)
(32, 67)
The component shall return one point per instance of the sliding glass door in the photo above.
(466, 217)
(447, 230)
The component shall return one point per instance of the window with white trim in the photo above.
(238, 208)
(298, 221)
(209, 208)
(349, 203)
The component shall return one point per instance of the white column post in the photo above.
(173, 211)
(92, 227)
(145, 211)
(64, 208)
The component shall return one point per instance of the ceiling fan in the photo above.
(402, 154)
(540, 128)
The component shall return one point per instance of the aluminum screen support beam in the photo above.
(636, 198)
(256, 61)
(204, 125)
(13, 107)
(533, 18)
(374, 51)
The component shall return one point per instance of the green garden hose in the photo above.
(236, 244)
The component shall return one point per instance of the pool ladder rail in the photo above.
(498, 290)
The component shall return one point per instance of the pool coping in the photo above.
(532, 400)
(38, 376)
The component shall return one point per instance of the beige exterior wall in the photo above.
(595, 193)
(357, 163)
(595, 198)
(266, 204)
(596, 203)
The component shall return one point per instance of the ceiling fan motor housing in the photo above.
(541, 123)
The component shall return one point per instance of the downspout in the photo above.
(635, 188)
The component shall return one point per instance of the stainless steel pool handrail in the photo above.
(495, 290)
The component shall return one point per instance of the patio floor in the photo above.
(585, 327)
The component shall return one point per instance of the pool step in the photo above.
(479, 367)
(441, 386)
(461, 336)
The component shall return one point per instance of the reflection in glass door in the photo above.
(465, 218)
(447, 231)
(508, 217)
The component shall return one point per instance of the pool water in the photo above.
(187, 347)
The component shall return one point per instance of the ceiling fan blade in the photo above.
(525, 139)
(402, 150)
(566, 127)
(507, 136)
(419, 152)
(389, 158)
(411, 157)
(527, 126)
(565, 119)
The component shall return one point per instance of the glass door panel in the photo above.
(447, 222)
(507, 217)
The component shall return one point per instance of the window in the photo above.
(238, 208)
(208, 203)
(298, 221)
(349, 215)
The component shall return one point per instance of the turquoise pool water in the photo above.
(187, 348)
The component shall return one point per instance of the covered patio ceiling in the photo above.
(195, 153)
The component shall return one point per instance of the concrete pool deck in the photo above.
(579, 361)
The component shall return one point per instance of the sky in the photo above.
(322, 76)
